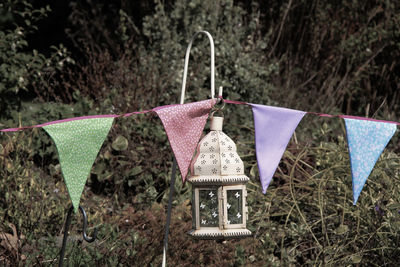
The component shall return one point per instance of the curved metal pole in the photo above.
(171, 193)
(64, 242)
(172, 185)
(185, 69)
(87, 239)
(66, 228)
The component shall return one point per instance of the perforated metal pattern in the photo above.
(216, 155)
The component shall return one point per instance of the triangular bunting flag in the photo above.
(366, 141)
(273, 129)
(184, 125)
(78, 143)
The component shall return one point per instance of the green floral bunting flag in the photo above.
(78, 143)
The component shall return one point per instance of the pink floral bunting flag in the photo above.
(184, 125)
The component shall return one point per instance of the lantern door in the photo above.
(235, 209)
(208, 208)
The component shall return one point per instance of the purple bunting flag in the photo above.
(366, 141)
(273, 129)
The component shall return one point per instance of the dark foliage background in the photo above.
(60, 59)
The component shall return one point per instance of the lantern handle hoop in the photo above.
(218, 108)
(185, 69)
(219, 111)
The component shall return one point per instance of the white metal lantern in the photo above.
(219, 187)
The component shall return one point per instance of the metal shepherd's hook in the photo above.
(66, 227)
(212, 87)
(85, 236)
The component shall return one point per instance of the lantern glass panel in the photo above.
(208, 207)
(234, 206)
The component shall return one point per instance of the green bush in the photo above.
(20, 69)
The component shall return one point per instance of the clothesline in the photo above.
(161, 107)
(77, 118)
(323, 114)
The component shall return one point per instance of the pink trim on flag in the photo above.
(320, 114)
(75, 119)
(161, 107)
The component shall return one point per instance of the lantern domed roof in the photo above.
(216, 159)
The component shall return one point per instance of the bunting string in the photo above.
(184, 123)
(161, 107)
(81, 118)
(274, 126)
(322, 114)
(78, 140)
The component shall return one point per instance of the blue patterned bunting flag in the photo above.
(366, 141)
